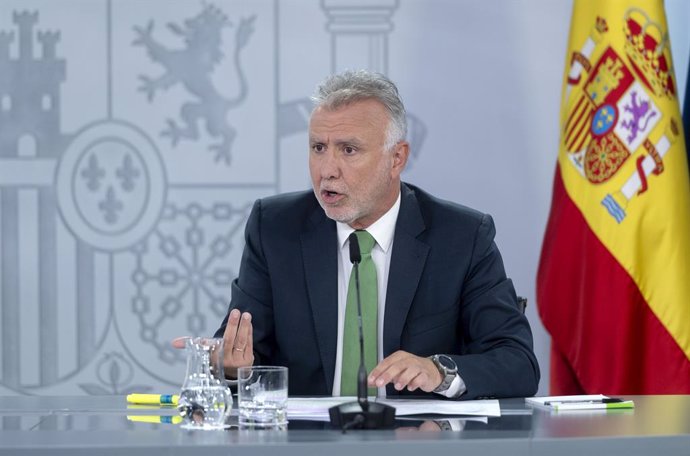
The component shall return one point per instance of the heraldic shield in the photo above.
(614, 97)
(610, 119)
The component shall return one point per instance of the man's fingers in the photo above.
(237, 338)
(406, 378)
(179, 342)
(238, 342)
(384, 365)
(242, 337)
(249, 348)
(389, 369)
(231, 328)
(404, 370)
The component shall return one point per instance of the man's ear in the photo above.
(401, 152)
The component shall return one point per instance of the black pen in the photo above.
(606, 400)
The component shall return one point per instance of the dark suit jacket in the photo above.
(447, 293)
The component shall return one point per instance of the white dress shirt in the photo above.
(383, 231)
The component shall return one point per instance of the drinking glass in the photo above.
(205, 399)
(262, 392)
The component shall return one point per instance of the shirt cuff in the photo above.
(456, 389)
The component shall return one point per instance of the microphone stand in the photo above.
(361, 414)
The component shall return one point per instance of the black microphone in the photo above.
(355, 259)
(355, 254)
(361, 414)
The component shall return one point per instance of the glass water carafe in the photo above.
(205, 400)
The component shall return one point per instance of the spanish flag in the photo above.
(613, 286)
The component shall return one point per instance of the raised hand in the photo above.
(239, 348)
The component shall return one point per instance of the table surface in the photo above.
(92, 424)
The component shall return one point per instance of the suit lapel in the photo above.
(319, 244)
(407, 264)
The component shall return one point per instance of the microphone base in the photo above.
(351, 416)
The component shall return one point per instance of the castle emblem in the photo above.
(30, 92)
(192, 66)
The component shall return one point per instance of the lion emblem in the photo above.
(192, 67)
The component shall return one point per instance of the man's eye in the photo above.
(318, 147)
(349, 150)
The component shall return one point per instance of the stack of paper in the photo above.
(317, 408)
(580, 402)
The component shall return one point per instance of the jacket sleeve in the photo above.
(497, 359)
(251, 290)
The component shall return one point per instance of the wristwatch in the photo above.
(448, 369)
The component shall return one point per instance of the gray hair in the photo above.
(351, 86)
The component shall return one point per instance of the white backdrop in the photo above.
(114, 238)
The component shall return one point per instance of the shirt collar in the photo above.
(381, 230)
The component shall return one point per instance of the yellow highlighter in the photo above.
(153, 399)
(155, 419)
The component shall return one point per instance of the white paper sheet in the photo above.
(581, 402)
(317, 407)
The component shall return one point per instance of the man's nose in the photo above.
(330, 166)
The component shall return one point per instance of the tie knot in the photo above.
(366, 242)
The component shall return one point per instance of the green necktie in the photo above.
(368, 290)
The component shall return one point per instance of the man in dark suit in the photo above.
(448, 321)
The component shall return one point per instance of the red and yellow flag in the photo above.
(613, 286)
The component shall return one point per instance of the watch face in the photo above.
(447, 362)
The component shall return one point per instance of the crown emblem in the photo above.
(647, 48)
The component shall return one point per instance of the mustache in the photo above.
(332, 189)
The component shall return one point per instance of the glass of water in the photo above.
(262, 392)
(205, 399)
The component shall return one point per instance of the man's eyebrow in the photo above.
(353, 141)
(339, 142)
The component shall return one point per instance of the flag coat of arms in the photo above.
(613, 286)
